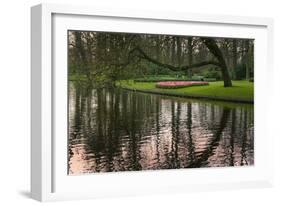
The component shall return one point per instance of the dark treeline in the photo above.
(104, 57)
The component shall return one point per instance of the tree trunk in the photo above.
(190, 55)
(178, 50)
(82, 53)
(247, 59)
(173, 55)
(158, 48)
(234, 59)
(214, 49)
(251, 61)
(226, 52)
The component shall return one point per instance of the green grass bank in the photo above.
(241, 91)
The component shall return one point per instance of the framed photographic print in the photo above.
(138, 102)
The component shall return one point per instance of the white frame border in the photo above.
(42, 85)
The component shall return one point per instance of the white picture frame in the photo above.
(49, 179)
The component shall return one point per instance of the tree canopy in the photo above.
(105, 57)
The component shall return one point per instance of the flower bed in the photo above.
(179, 84)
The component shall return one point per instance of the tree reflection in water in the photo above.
(118, 130)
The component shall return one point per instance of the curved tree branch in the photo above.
(210, 44)
(143, 55)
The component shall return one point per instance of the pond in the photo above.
(120, 130)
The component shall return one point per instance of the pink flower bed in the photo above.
(179, 84)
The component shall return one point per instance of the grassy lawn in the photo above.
(241, 90)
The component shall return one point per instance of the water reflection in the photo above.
(118, 130)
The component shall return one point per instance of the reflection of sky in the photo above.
(176, 143)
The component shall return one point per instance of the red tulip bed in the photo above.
(179, 84)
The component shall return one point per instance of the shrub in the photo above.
(197, 78)
(210, 79)
(161, 78)
(212, 73)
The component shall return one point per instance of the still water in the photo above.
(120, 130)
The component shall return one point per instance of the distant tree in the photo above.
(247, 59)
(234, 58)
(190, 54)
(179, 50)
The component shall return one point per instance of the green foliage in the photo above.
(162, 78)
(240, 71)
(210, 79)
(197, 78)
(72, 68)
(215, 74)
(211, 73)
(77, 77)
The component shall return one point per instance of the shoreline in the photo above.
(223, 99)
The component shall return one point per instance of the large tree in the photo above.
(108, 57)
(213, 48)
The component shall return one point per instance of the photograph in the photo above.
(141, 101)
